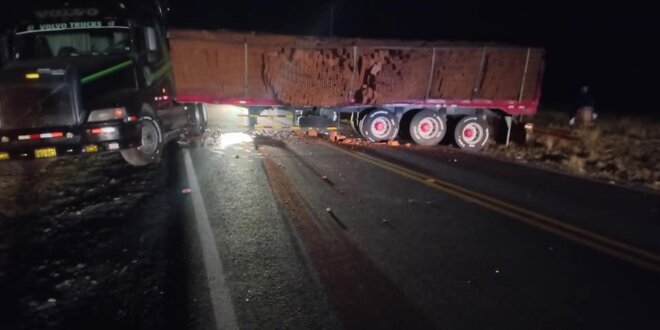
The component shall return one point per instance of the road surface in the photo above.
(267, 229)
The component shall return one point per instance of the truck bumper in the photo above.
(61, 141)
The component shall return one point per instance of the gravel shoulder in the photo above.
(89, 243)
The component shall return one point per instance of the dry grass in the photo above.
(616, 149)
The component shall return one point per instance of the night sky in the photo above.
(610, 47)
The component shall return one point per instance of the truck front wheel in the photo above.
(151, 145)
(472, 133)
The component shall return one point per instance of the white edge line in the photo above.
(223, 307)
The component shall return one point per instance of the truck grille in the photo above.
(36, 106)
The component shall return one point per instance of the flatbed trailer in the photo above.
(388, 88)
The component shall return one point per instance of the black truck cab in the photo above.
(89, 76)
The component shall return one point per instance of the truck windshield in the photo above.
(39, 45)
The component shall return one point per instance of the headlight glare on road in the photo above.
(229, 139)
(106, 114)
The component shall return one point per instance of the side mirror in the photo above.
(151, 43)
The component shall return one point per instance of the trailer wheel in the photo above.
(199, 122)
(472, 133)
(379, 125)
(356, 117)
(151, 143)
(428, 127)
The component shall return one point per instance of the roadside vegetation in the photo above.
(616, 149)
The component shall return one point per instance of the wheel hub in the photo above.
(468, 133)
(473, 133)
(380, 128)
(429, 127)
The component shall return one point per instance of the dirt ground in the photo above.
(616, 149)
(85, 244)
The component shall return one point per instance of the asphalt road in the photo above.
(266, 229)
(315, 235)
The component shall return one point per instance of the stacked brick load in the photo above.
(308, 71)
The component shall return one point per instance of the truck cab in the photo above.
(84, 77)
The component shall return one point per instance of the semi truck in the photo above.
(89, 76)
(85, 77)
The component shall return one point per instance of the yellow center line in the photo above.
(601, 243)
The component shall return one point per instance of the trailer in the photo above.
(424, 91)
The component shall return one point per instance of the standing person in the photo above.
(585, 104)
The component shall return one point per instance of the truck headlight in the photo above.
(106, 114)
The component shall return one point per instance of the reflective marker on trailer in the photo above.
(4, 155)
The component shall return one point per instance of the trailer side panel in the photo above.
(229, 67)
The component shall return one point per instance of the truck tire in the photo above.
(199, 121)
(379, 125)
(151, 146)
(356, 117)
(428, 127)
(472, 133)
